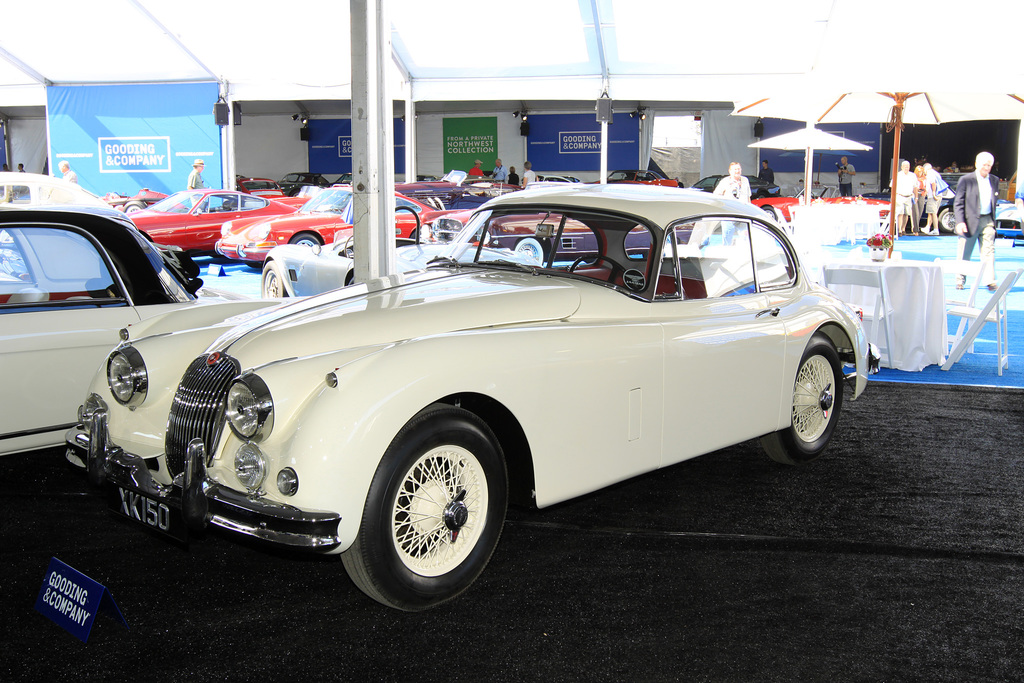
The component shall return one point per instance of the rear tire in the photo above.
(817, 404)
(947, 221)
(132, 207)
(309, 239)
(433, 514)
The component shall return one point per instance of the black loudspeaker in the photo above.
(759, 129)
(236, 114)
(604, 109)
(304, 133)
(221, 115)
(524, 128)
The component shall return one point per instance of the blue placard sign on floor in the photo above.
(71, 599)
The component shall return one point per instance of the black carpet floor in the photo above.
(897, 556)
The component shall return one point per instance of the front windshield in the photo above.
(600, 246)
(331, 200)
(179, 202)
(455, 176)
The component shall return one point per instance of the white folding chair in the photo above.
(872, 283)
(970, 270)
(994, 311)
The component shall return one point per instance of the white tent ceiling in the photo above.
(667, 51)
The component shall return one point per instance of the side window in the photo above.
(251, 203)
(712, 258)
(775, 267)
(41, 264)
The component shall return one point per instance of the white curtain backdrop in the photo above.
(725, 140)
(28, 144)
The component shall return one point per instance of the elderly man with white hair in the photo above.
(975, 207)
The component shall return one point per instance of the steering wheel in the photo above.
(419, 223)
(583, 259)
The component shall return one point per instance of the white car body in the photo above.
(579, 383)
(37, 190)
(52, 327)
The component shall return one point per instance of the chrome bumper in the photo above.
(202, 502)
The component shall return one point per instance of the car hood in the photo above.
(396, 309)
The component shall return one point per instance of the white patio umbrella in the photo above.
(810, 139)
(893, 108)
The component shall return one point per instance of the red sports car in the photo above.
(144, 198)
(316, 223)
(191, 219)
(778, 207)
(644, 177)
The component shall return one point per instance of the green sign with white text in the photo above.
(467, 140)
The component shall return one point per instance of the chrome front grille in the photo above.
(198, 407)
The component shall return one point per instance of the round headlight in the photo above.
(250, 408)
(260, 232)
(250, 466)
(126, 376)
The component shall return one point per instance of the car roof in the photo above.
(659, 204)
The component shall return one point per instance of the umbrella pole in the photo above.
(896, 125)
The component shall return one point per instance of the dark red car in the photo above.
(192, 219)
(142, 199)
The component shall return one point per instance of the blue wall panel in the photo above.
(123, 138)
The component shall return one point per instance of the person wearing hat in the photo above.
(476, 170)
(195, 178)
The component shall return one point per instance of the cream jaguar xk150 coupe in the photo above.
(392, 422)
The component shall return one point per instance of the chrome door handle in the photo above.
(773, 312)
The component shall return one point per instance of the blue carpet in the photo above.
(978, 368)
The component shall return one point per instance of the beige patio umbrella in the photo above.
(810, 139)
(892, 108)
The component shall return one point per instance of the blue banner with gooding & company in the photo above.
(122, 138)
(572, 142)
(330, 146)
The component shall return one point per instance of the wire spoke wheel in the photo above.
(817, 403)
(437, 513)
(813, 398)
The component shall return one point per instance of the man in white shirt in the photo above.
(905, 182)
(528, 175)
(68, 174)
(735, 185)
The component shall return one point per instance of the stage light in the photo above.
(295, 117)
(515, 114)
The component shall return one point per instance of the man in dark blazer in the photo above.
(974, 208)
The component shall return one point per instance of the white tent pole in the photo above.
(373, 173)
(808, 170)
(604, 152)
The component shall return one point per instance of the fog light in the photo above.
(287, 481)
(250, 466)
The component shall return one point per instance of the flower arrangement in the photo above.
(880, 241)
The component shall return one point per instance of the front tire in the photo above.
(433, 514)
(817, 403)
(770, 210)
(272, 285)
(132, 207)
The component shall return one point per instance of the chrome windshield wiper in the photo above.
(443, 261)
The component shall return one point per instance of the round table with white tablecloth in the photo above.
(916, 295)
